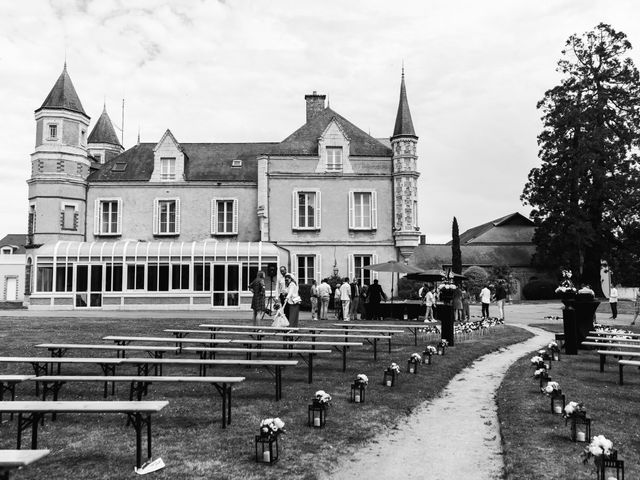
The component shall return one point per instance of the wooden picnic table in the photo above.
(412, 327)
(14, 459)
(216, 326)
(606, 340)
(45, 365)
(616, 353)
(8, 384)
(61, 349)
(209, 353)
(622, 363)
(139, 386)
(126, 340)
(143, 365)
(31, 414)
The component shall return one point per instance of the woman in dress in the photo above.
(258, 289)
(293, 299)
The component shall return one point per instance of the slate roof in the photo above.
(103, 131)
(439, 256)
(204, 162)
(63, 95)
(304, 141)
(404, 124)
(15, 240)
(513, 219)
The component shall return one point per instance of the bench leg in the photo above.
(603, 359)
(375, 349)
(344, 359)
(620, 373)
(278, 382)
(310, 367)
(26, 420)
(139, 422)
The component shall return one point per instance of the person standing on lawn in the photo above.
(345, 298)
(429, 301)
(292, 299)
(355, 300)
(613, 301)
(485, 299)
(281, 289)
(466, 299)
(257, 302)
(314, 300)
(375, 295)
(324, 294)
(501, 296)
(457, 304)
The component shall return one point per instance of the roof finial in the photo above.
(104, 103)
(328, 101)
(403, 68)
(65, 59)
(138, 134)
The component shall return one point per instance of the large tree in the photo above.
(456, 252)
(586, 192)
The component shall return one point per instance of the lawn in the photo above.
(187, 434)
(536, 442)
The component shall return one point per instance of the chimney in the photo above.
(315, 105)
(423, 239)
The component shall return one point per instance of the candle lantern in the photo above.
(557, 402)
(580, 428)
(412, 367)
(556, 355)
(609, 468)
(266, 449)
(426, 358)
(441, 349)
(317, 414)
(358, 392)
(544, 379)
(389, 379)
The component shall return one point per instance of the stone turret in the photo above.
(103, 143)
(59, 167)
(406, 231)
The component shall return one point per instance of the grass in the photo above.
(187, 434)
(536, 443)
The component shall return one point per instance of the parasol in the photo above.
(393, 266)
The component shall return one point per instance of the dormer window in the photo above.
(167, 169)
(120, 167)
(6, 251)
(236, 163)
(334, 159)
(53, 131)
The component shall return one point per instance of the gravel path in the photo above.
(454, 436)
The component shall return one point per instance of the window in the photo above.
(135, 277)
(98, 157)
(359, 262)
(363, 210)
(69, 218)
(202, 277)
(64, 278)
(44, 279)
(334, 159)
(166, 217)
(236, 163)
(108, 216)
(158, 277)
(226, 285)
(224, 216)
(167, 169)
(306, 268)
(113, 277)
(53, 131)
(6, 251)
(180, 277)
(119, 167)
(306, 210)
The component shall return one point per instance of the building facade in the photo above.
(188, 225)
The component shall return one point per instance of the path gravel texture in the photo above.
(455, 436)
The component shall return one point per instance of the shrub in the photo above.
(477, 278)
(539, 290)
(304, 290)
(408, 289)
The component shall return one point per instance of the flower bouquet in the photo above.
(426, 355)
(544, 354)
(271, 427)
(566, 289)
(361, 379)
(412, 363)
(574, 409)
(446, 291)
(542, 374)
(599, 448)
(552, 388)
(554, 348)
(442, 346)
(322, 398)
(390, 374)
(538, 362)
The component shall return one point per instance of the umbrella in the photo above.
(393, 267)
(433, 276)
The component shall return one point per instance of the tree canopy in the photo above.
(586, 192)
(456, 252)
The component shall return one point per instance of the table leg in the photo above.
(415, 339)
(224, 405)
(375, 349)
(344, 359)
(602, 362)
(278, 382)
(310, 366)
(34, 430)
(229, 405)
(620, 373)
(149, 436)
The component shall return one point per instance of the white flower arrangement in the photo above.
(415, 358)
(430, 350)
(322, 397)
(566, 285)
(362, 379)
(394, 367)
(541, 373)
(598, 447)
(554, 347)
(271, 427)
(574, 409)
(551, 387)
(446, 286)
(538, 361)
(444, 343)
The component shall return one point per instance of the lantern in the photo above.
(580, 428)
(317, 415)
(389, 379)
(426, 358)
(266, 449)
(358, 392)
(412, 367)
(555, 356)
(543, 381)
(441, 349)
(609, 468)
(557, 402)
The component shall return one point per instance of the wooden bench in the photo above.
(605, 340)
(8, 384)
(412, 327)
(210, 352)
(14, 459)
(603, 345)
(622, 363)
(613, 334)
(45, 365)
(615, 353)
(140, 384)
(126, 340)
(143, 365)
(61, 349)
(31, 414)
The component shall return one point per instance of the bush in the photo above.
(304, 290)
(408, 289)
(539, 290)
(477, 278)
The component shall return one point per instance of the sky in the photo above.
(237, 71)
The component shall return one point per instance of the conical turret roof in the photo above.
(103, 132)
(404, 124)
(63, 95)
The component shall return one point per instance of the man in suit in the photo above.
(355, 300)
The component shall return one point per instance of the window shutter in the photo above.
(235, 216)
(155, 217)
(374, 210)
(96, 217)
(177, 215)
(294, 210)
(294, 265)
(62, 219)
(75, 221)
(214, 215)
(318, 268)
(318, 210)
(374, 260)
(351, 267)
(119, 219)
(351, 219)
